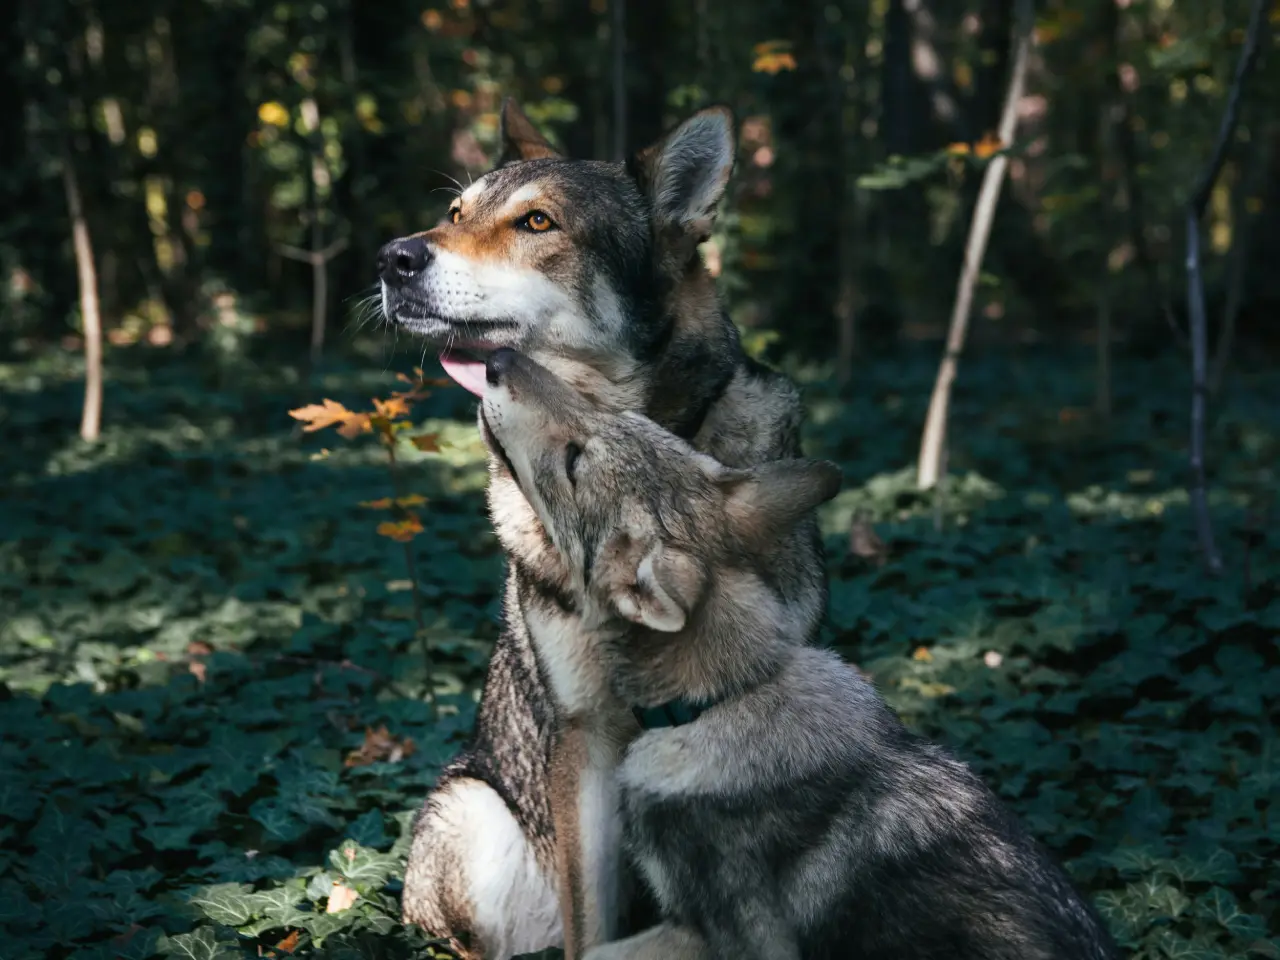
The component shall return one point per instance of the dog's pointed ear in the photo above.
(684, 174)
(764, 503)
(518, 137)
(667, 586)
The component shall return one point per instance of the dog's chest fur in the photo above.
(570, 658)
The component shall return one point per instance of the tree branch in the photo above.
(313, 257)
(1127, 148)
(1195, 286)
(934, 441)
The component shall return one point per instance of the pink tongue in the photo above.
(468, 373)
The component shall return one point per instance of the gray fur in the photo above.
(796, 817)
(625, 312)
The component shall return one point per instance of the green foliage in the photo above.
(201, 639)
(209, 138)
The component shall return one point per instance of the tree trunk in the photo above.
(1237, 270)
(1102, 396)
(649, 42)
(929, 468)
(618, 46)
(1195, 289)
(87, 276)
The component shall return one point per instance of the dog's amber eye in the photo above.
(571, 455)
(455, 214)
(538, 222)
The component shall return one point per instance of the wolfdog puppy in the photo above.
(593, 269)
(794, 816)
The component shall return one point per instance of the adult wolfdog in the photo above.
(592, 269)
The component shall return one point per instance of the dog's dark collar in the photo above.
(673, 713)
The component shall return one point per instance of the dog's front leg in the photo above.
(667, 941)
(584, 807)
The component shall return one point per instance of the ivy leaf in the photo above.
(1220, 906)
(232, 904)
(369, 830)
(201, 944)
(365, 868)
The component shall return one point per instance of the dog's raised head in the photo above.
(658, 539)
(566, 260)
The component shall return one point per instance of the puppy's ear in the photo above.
(684, 174)
(667, 586)
(764, 503)
(519, 138)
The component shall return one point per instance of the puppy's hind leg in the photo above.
(474, 877)
(667, 941)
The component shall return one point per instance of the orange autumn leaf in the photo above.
(356, 424)
(401, 531)
(396, 406)
(289, 943)
(427, 442)
(988, 146)
(922, 654)
(317, 416)
(386, 503)
(773, 63)
(379, 745)
(341, 897)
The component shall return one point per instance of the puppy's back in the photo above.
(809, 801)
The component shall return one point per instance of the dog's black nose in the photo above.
(402, 260)
(499, 363)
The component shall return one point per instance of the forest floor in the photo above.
(211, 692)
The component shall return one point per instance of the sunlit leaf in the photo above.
(402, 531)
(274, 114)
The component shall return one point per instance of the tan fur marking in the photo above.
(568, 759)
(477, 239)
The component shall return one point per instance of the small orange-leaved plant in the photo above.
(386, 421)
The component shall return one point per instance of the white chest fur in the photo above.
(573, 662)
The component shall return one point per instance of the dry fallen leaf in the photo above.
(427, 442)
(289, 943)
(341, 898)
(865, 543)
(379, 745)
